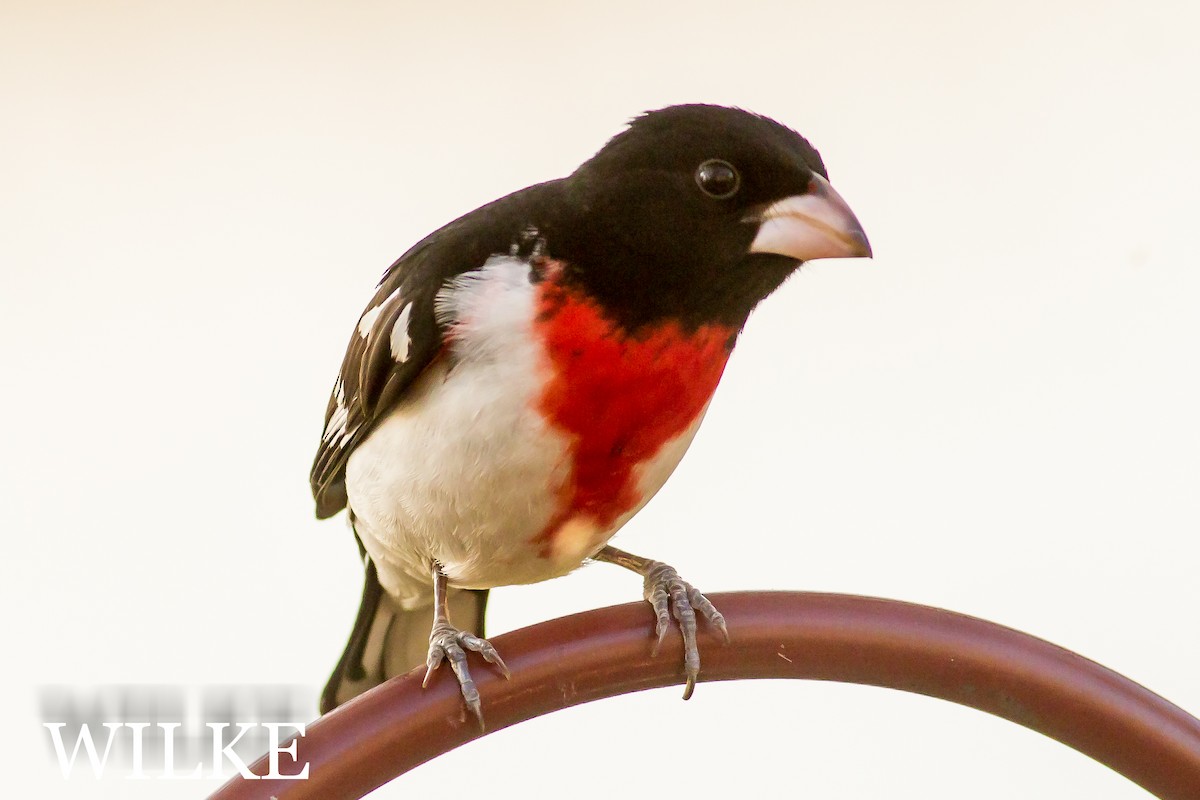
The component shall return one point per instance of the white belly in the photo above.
(466, 471)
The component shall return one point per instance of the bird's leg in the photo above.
(668, 593)
(447, 642)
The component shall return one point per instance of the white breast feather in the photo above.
(465, 471)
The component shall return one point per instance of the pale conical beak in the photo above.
(816, 224)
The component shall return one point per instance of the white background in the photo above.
(997, 415)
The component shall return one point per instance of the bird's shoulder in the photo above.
(400, 332)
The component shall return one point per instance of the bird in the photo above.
(526, 378)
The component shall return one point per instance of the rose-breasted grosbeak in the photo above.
(527, 377)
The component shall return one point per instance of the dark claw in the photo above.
(485, 649)
(658, 599)
(714, 617)
(447, 643)
(670, 595)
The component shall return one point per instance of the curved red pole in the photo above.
(606, 652)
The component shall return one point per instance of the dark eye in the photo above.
(718, 179)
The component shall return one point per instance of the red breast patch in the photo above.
(620, 397)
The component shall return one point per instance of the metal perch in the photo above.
(606, 652)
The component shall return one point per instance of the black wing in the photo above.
(399, 335)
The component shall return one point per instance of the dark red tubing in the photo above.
(606, 652)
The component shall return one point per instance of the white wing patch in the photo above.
(367, 322)
(400, 340)
(335, 430)
(337, 420)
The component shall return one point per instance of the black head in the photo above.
(698, 212)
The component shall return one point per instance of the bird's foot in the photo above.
(449, 643)
(670, 594)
